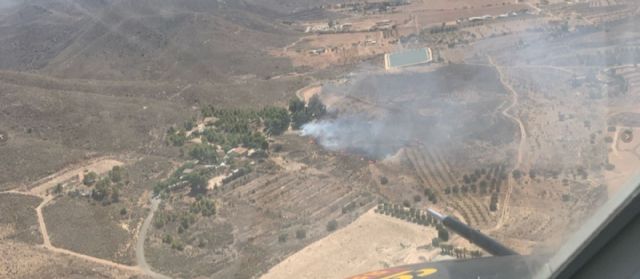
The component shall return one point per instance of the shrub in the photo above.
(282, 238)
(384, 180)
(167, 239)
(516, 174)
(301, 234)
(57, 189)
(332, 225)
(406, 203)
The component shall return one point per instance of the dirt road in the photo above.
(142, 236)
(100, 166)
(521, 146)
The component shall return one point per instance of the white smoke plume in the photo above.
(359, 133)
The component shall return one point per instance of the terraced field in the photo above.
(434, 172)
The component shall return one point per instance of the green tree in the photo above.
(116, 174)
(493, 205)
(115, 195)
(198, 183)
(90, 178)
(178, 138)
(204, 153)
(443, 234)
(188, 125)
(299, 118)
(296, 105)
(483, 186)
(276, 120)
(316, 108)
(102, 189)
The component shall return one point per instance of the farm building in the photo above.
(407, 58)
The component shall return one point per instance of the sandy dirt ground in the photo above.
(372, 242)
(215, 182)
(18, 260)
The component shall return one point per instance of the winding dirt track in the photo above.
(99, 166)
(140, 257)
(521, 147)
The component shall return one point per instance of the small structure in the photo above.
(317, 51)
(407, 58)
(240, 151)
(480, 18)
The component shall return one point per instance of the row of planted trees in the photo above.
(410, 214)
(424, 218)
(450, 250)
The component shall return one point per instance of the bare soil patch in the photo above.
(371, 242)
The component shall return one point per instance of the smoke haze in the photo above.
(380, 113)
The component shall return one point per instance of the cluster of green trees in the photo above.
(197, 180)
(431, 195)
(276, 120)
(302, 113)
(184, 219)
(203, 206)
(300, 234)
(176, 137)
(106, 189)
(235, 127)
(204, 153)
(481, 180)
(413, 215)
(163, 186)
(175, 243)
